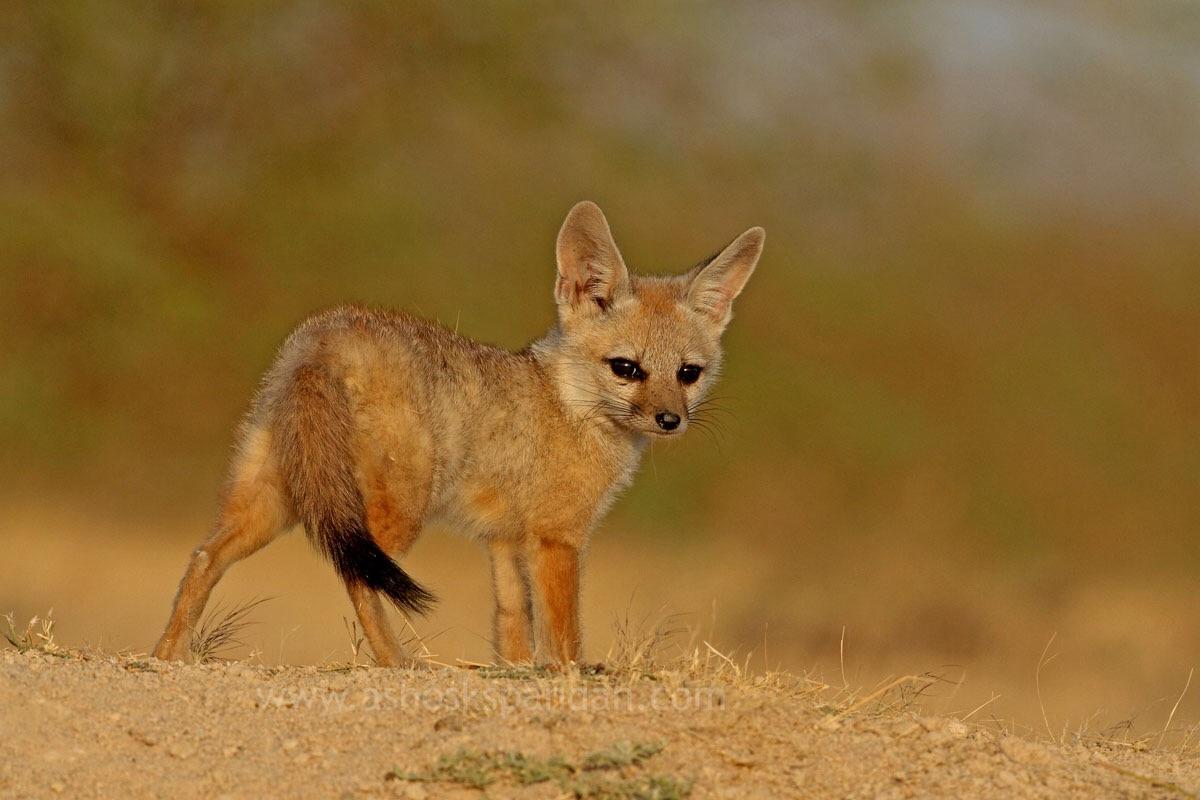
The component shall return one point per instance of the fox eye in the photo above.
(689, 373)
(624, 368)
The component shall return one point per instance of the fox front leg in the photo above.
(555, 567)
(511, 623)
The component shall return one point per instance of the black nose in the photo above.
(666, 420)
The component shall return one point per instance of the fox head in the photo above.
(641, 351)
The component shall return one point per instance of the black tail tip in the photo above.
(414, 597)
(359, 559)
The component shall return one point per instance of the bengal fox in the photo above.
(371, 424)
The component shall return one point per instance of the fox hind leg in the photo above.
(368, 607)
(391, 516)
(252, 514)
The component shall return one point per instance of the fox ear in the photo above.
(713, 286)
(591, 272)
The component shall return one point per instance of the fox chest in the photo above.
(516, 506)
(482, 511)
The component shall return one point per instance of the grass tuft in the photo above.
(220, 628)
(638, 644)
(38, 633)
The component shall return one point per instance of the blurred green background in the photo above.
(963, 388)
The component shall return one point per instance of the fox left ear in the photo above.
(591, 272)
(713, 286)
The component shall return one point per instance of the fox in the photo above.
(371, 424)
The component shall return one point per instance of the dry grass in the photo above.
(357, 640)
(220, 628)
(410, 640)
(638, 642)
(660, 648)
(642, 650)
(1175, 708)
(38, 633)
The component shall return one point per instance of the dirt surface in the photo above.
(101, 726)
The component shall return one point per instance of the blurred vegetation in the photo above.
(974, 329)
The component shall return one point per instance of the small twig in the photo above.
(1154, 782)
(842, 657)
(722, 656)
(472, 664)
(1171, 716)
(1037, 678)
(981, 707)
(879, 693)
(356, 641)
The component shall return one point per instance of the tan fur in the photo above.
(512, 623)
(556, 574)
(524, 451)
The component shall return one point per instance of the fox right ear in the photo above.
(713, 286)
(591, 272)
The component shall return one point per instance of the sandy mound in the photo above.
(100, 726)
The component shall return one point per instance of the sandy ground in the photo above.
(1123, 650)
(103, 726)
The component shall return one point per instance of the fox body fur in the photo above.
(371, 424)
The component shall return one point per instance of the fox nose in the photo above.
(666, 420)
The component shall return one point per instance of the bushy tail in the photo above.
(314, 430)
